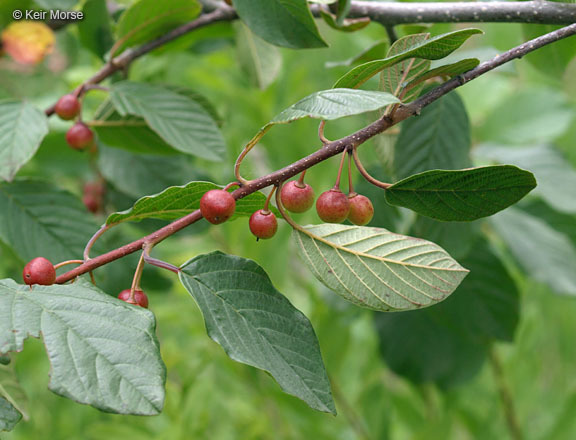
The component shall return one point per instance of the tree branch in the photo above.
(328, 150)
(542, 12)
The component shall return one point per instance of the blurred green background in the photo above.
(209, 396)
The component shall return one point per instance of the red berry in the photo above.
(140, 298)
(263, 224)
(39, 271)
(67, 107)
(297, 197)
(361, 209)
(92, 196)
(80, 136)
(217, 206)
(333, 206)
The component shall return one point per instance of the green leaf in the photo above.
(128, 132)
(94, 30)
(448, 70)
(22, 128)
(395, 78)
(259, 60)
(257, 325)
(435, 48)
(103, 351)
(437, 139)
(351, 25)
(462, 195)
(373, 52)
(11, 390)
(36, 218)
(9, 416)
(447, 344)
(178, 201)
(545, 254)
(551, 59)
(137, 174)
(556, 177)
(377, 269)
(286, 23)
(149, 19)
(335, 103)
(180, 121)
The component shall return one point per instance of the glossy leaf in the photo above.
(22, 128)
(437, 139)
(257, 325)
(9, 416)
(178, 201)
(546, 254)
(377, 269)
(335, 103)
(149, 19)
(103, 351)
(177, 119)
(435, 48)
(556, 177)
(260, 60)
(286, 23)
(36, 218)
(462, 195)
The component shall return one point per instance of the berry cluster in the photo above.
(79, 136)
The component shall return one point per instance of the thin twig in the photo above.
(329, 150)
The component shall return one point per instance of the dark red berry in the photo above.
(361, 209)
(67, 107)
(39, 271)
(80, 136)
(263, 224)
(297, 197)
(140, 298)
(217, 206)
(333, 206)
(92, 197)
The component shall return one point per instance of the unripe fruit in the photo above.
(333, 206)
(39, 271)
(80, 136)
(263, 224)
(217, 206)
(297, 197)
(140, 298)
(361, 209)
(67, 107)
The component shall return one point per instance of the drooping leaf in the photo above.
(435, 48)
(377, 269)
(545, 254)
(103, 351)
(286, 23)
(335, 103)
(395, 78)
(139, 174)
(22, 128)
(179, 120)
(556, 177)
(149, 19)
(257, 325)
(437, 139)
(36, 218)
(447, 343)
(9, 416)
(177, 201)
(462, 195)
(94, 30)
(260, 60)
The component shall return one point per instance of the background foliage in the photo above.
(442, 386)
